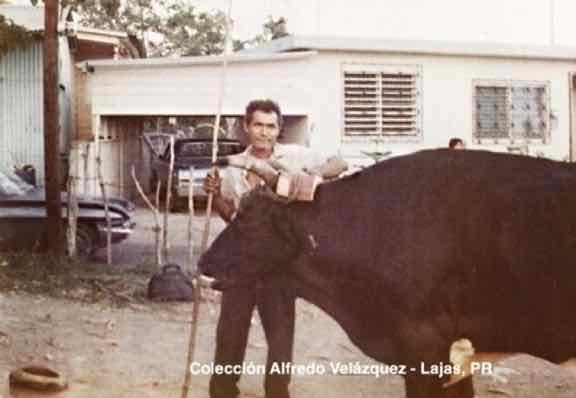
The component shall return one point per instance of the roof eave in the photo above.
(418, 47)
(190, 61)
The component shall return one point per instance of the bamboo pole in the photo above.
(207, 226)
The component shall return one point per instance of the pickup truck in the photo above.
(188, 152)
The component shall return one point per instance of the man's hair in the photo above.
(266, 106)
(454, 141)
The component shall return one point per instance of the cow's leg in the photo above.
(426, 386)
(418, 386)
(426, 350)
(431, 386)
(462, 389)
(231, 337)
(277, 311)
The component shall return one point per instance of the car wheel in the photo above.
(86, 240)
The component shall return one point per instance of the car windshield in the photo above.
(12, 185)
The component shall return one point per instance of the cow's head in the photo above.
(260, 240)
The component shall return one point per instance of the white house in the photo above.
(359, 96)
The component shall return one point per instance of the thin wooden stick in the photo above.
(206, 234)
(155, 212)
(191, 264)
(159, 258)
(168, 200)
(85, 155)
(72, 213)
(106, 210)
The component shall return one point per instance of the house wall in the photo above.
(190, 91)
(310, 91)
(447, 100)
(193, 90)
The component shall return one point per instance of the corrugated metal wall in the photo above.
(21, 119)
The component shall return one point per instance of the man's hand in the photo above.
(333, 167)
(213, 183)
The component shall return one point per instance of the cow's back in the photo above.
(490, 237)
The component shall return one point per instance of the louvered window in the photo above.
(511, 112)
(381, 101)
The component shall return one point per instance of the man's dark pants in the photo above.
(276, 307)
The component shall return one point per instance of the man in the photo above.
(276, 306)
(456, 143)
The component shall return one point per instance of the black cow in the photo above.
(422, 250)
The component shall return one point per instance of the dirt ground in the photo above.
(120, 345)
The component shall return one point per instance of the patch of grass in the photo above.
(61, 277)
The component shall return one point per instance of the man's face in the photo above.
(460, 145)
(263, 130)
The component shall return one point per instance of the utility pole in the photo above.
(54, 234)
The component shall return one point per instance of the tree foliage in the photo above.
(271, 30)
(13, 36)
(169, 27)
(274, 29)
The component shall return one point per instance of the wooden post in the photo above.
(52, 162)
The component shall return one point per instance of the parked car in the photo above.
(23, 218)
(188, 152)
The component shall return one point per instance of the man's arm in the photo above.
(332, 168)
(224, 206)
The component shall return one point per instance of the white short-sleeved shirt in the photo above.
(294, 158)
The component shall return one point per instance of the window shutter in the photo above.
(381, 100)
(361, 103)
(399, 104)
